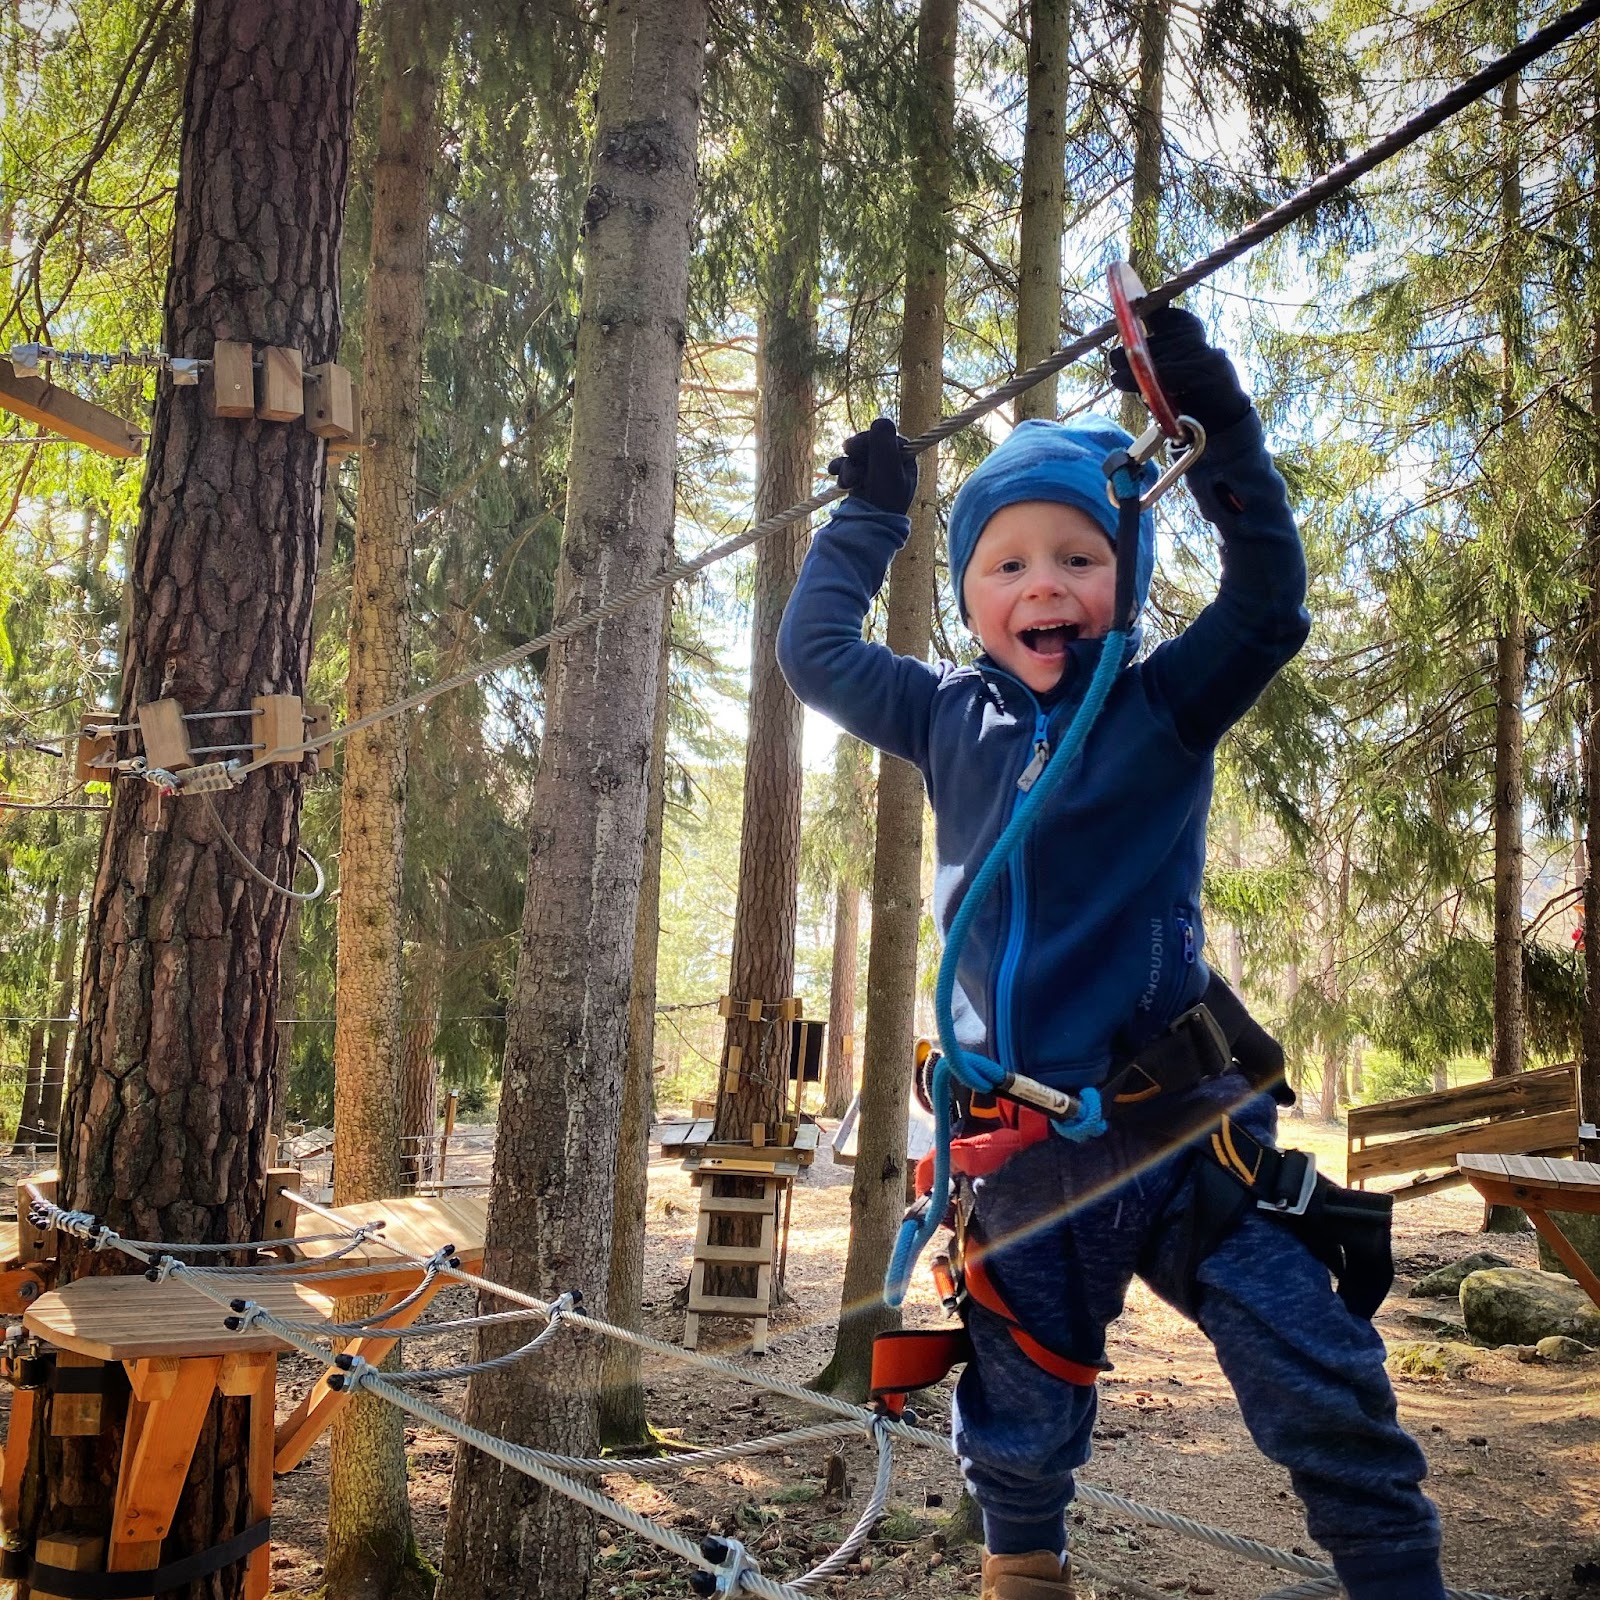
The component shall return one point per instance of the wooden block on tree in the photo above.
(96, 750)
(71, 1552)
(166, 739)
(758, 1135)
(279, 725)
(280, 385)
(68, 414)
(76, 1416)
(330, 401)
(725, 1006)
(35, 1244)
(319, 721)
(233, 379)
(752, 1011)
(281, 1210)
(338, 449)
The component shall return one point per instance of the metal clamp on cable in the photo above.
(731, 1561)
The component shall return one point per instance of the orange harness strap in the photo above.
(1017, 1127)
(914, 1358)
(982, 1288)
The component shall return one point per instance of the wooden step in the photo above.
(730, 1305)
(749, 1255)
(732, 1204)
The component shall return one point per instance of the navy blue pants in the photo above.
(1066, 1227)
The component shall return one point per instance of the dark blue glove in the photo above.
(1199, 381)
(877, 466)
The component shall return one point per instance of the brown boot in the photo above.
(1039, 1575)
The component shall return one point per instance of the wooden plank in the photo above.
(19, 1430)
(781, 1165)
(153, 1471)
(258, 1472)
(1517, 1192)
(1550, 1232)
(1538, 1169)
(68, 414)
(728, 1305)
(280, 726)
(280, 385)
(732, 1204)
(164, 735)
(1546, 1089)
(750, 1255)
(1554, 1130)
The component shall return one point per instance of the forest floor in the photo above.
(1514, 1449)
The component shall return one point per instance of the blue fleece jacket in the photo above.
(1093, 944)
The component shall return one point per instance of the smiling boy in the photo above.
(1084, 968)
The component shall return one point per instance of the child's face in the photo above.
(1041, 574)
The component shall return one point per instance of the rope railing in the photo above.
(561, 1472)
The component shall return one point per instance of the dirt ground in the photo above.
(1512, 1447)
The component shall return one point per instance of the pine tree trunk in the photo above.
(62, 1002)
(878, 1188)
(838, 1078)
(419, 1067)
(762, 963)
(1043, 198)
(550, 1211)
(1589, 1062)
(370, 1543)
(30, 1121)
(170, 1100)
(1144, 224)
(623, 1423)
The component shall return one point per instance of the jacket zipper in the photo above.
(1016, 933)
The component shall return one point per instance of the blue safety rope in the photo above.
(920, 1225)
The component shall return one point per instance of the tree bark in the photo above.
(370, 1543)
(623, 1423)
(1044, 193)
(762, 963)
(1144, 223)
(30, 1120)
(53, 1082)
(550, 1210)
(419, 1067)
(1589, 1064)
(170, 1101)
(838, 1079)
(877, 1190)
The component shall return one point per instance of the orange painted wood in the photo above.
(311, 1418)
(24, 1407)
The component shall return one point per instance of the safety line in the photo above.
(1274, 221)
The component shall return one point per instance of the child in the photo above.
(1083, 969)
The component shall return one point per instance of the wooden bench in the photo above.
(1533, 1113)
(170, 1340)
(1540, 1184)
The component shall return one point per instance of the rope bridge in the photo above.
(723, 1565)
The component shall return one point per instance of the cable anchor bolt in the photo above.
(731, 1561)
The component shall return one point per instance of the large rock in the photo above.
(1513, 1305)
(1445, 1282)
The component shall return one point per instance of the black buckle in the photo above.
(1208, 1040)
(1283, 1204)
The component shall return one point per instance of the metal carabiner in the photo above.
(1146, 445)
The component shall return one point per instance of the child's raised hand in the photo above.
(877, 467)
(1198, 380)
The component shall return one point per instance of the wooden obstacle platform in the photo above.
(1419, 1138)
(1540, 1185)
(168, 1342)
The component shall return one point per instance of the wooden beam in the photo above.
(68, 414)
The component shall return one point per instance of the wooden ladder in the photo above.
(714, 1203)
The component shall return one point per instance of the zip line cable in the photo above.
(1272, 222)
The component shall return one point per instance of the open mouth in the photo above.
(1051, 641)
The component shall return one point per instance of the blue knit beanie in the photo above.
(1058, 461)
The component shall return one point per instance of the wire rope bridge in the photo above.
(189, 1327)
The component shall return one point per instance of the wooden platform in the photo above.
(693, 1142)
(1419, 1137)
(1539, 1185)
